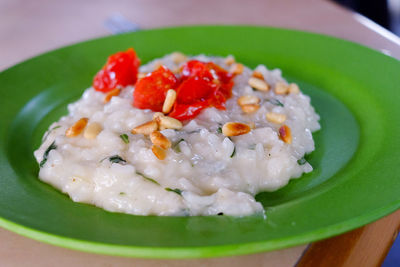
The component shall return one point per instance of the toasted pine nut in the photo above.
(285, 134)
(247, 100)
(169, 123)
(229, 60)
(178, 57)
(281, 88)
(159, 152)
(258, 84)
(169, 101)
(275, 117)
(250, 108)
(146, 128)
(294, 88)
(257, 74)
(110, 94)
(160, 140)
(157, 114)
(235, 128)
(77, 128)
(236, 68)
(141, 75)
(92, 130)
(252, 125)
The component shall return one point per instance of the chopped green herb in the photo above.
(125, 138)
(46, 153)
(252, 147)
(194, 131)
(234, 152)
(49, 131)
(176, 146)
(275, 102)
(116, 159)
(122, 193)
(302, 161)
(176, 190)
(219, 130)
(147, 178)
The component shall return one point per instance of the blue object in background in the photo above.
(393, 257)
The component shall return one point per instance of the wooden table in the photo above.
(28, 28)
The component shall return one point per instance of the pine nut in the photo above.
(160, 140)
(257, 74)
(247, 100)
(178, 57)
(110, 94)
(169, 101)
(275, 117)
(77, 128)
(281, 88)
(92, 130)
(252, 125)
(250, 108)
(229, 60)
(236, 68)
(157, 114)
(235, 128)
(294, 88)
(145, 128)
(159, 152)
(285, 134)
(258, 84)
(169, 123)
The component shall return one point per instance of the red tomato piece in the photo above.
(194, 89)
(195, 68)
(151, 90)
(184, 112)
(223, 75)
(120, 70)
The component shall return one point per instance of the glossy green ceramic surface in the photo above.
(356, 178)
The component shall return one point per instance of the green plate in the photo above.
(356, 161)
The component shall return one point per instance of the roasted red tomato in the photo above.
(150, 91)
(184, 112)
(120, 70)
(195, 68)
(194, 89)
(203, 85)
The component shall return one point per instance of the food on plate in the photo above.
(180, 136)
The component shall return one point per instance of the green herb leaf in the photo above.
(49, 131)
(219, 130)
(302, 161)
(176, 147)
(275, 102)
(147, 178)
(234, 152)
(46, 153)
(116, 159)
(122, 193)
(176, 190)
(125, 138)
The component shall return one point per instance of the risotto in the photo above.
(185, 136)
